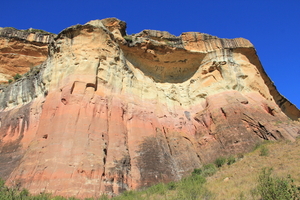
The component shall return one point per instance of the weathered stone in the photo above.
(20, 50)
(106, 114)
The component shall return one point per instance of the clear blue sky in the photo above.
(272, 26)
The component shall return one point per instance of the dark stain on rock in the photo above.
(11, 152)
(155, 162)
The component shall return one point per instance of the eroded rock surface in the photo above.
(21, 50)
(108, 112)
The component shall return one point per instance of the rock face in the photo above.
(108, 112)
(21, 50)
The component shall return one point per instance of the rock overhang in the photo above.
(113, 121)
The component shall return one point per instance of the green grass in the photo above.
(189, 188)
(264, 151)
(249, 177)
(276, 188)
(219, 162)
(206, 170)
(230, 160)
(240, 180)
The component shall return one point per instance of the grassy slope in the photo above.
(237, 180)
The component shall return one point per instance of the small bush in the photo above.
(24, 193)
(172, 185)
(192, 188)
(230, 160)
(17, 76)
(128, 38)
(264, 151)
(240, 156)
(219, 162)
(257, 146)
(275, 188)
(197, 171)
(10, 80)
(206, 170)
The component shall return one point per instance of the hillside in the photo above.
(237, 180)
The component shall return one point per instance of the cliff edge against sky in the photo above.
(108, 112)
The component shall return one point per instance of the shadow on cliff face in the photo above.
(155, 163)
(164, 64)
(119, 174)
(11, 134)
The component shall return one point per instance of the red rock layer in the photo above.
(20, 51)
(105, 114)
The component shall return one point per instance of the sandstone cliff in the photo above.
(21, 50)
(108, 112)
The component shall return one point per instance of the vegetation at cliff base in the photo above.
(251, 177)
(271, 176)
(276, 188)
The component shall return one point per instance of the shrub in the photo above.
(240, 156)
(24, 193)
(197, 171)
(264, 151)
(172, 185)
(10, 81)
(275, 188)
(192, 188)
(17, 76)
(219, 162)
(128, 38)
(206, 170)
(230, 160)
(257, 146)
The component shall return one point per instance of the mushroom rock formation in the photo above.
(109, 112)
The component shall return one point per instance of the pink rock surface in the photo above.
(107, 115)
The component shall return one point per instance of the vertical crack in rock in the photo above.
(106, 142)
(224, 113)
(165, 134)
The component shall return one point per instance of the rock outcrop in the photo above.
(21, 50)
(108, 112)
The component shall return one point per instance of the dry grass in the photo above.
(237, 180)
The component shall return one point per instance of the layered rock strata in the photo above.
(21, 50)
(107, 112)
